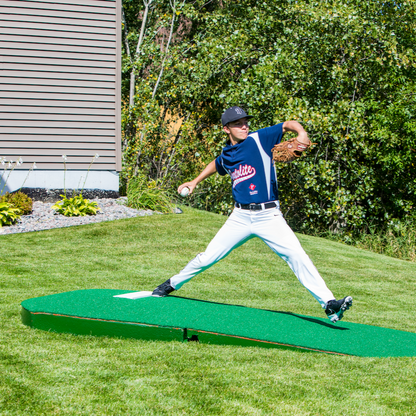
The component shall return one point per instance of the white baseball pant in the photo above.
(271, 227)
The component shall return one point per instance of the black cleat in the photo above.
(335, 308)
(163, 290)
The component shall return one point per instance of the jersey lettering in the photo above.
(242, 174)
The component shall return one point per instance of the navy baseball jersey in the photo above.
(250, 165)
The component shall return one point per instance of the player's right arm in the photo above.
(296, 127)
(209, 170)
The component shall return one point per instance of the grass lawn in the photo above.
(59, 374)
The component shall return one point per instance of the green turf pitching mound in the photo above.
(98, 312)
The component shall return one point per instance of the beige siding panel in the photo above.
(57, 138)
(57, 160)
(57, 124)
(61, 103)
(53, 151)
(104, 7)
(51, 76)
(49, 35)
(70, 63)
(58, 20)
(45, 111)
(56, 27)
(58, 48)
(74, 155)
(69, 13)
(55, 68)
(53, 89)
(56, 130)
(60, 72)
(58, 165)
(71, 160)
(57, 117)
(60, 55)
(13, 81)
(47, 145)
(27, 164)
(40, 95)
(30, 42)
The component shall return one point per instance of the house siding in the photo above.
(60, 76)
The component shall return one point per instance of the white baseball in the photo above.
(185, 191)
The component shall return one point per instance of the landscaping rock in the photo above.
(43, 217)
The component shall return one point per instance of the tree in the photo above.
(344, 69)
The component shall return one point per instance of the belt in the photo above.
(258, 207)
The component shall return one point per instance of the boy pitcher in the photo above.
(247, 158)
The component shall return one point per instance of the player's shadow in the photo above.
(305, 318)
(314, 320)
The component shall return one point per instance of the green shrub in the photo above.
(214, 194)
(358, 104)
(18, 200)
(142, 194)
(8, 214)
(395, 239)
(77, 206)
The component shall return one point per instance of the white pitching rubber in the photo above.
(135, 295)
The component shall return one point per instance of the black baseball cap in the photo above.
(233, 114)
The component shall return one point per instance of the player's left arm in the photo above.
(296, 127)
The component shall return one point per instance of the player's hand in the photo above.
(191, 185)
(303, 141)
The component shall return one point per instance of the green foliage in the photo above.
(18, 200)
(345, 70)
(142, 194)
(395, 239)
(77, 206)
(214, 194)
(8, 214)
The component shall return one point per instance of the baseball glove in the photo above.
(289, 150)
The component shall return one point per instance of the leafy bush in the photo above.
(8, 214)
(346, 72)
(214, 194)
(18, 200)
(398, 240)
(142, 194)
(395, 239)
(77, 206)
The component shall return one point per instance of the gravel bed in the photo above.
(44, 218)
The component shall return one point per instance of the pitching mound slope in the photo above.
(98, 312)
